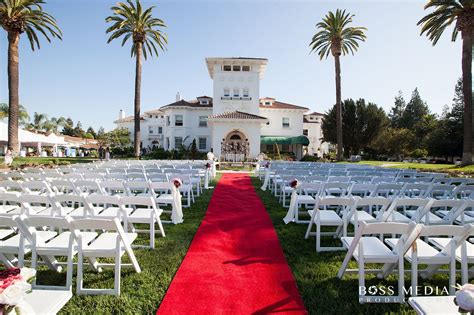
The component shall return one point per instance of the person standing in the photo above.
(101, 152)
(8, 158)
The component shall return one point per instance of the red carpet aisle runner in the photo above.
(235, 264)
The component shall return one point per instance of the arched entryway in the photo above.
(235, 146)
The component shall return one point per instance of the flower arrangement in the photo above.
(177, 182)
(208, 165)
(465, 298)
(15, 283)
(294, 183)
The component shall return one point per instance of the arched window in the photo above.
(235, 137)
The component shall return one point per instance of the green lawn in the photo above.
(316, 273)
(47, 161)
(445, 168)
(141, 293)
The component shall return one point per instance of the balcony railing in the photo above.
(236, 98)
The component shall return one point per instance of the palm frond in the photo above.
(336, 36)
(131, 21)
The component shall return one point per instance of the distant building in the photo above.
(235, 123)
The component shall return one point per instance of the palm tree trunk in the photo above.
(338, 108)
(138, 83)
(467, 91)
(13, 85)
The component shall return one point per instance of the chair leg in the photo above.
(118, 268)
(160, 226)
(79, 280)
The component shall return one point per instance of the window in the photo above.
(202, 121)
(202, 143)
(245, 92)
(305, 132)
(227, 68)
(285, 148)
(285, 122)
(178, 120)
(150, 130)
(236, 92)
(268, 103)
(236, 68)
(160, 130)
(168, 120)
(203, 102)
(178, 142)
(167, 143)
(226, 92)
(245, 68)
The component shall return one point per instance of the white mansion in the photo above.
(235, 121)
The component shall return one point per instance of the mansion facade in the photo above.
(235, 123)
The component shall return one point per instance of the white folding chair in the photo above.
(143, 210)
(10, 203)
(88, 187)
(113, 187)
(62, 186)
(36, 187)
(114, 242)
(106, 207)
(328, 212)
(33, 205)
(400, 207)
(362, 210)
(366, 248)
(420, 252)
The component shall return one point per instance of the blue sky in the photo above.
(85, 78)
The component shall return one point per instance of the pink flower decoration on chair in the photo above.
(208, 165)
(294, 183)
(177, 182)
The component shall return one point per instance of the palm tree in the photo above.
(336, 37)
(18, 17)
(434, 24)
(130, 20)
(23, 116)
(54, 124)
(39, 121)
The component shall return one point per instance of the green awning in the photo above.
(284, 140)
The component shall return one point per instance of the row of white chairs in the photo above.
(47, 238)
(128, 209)
(159, 190)
(307, 192)
(393, 243)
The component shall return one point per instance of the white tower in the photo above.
(235, 121)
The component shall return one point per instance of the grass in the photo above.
(316, 273)
(140, 293)
(19, 162)
(452, 169)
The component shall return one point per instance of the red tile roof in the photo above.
(183, 103)
(281, 105)
(236, 115)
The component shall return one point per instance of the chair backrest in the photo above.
(88, 187)
(10, 198)
(344, 202)
(340, 189)
(361, 179)
(463, 192)
(112, 187)
(417, 204)
(36, 186)
(33, 204)
(135, 187)
(362, 190)
(441, 191)
(10, 186)
(102, 200)
(415, 190)
(388, 190)
(450, 205)
(148, 202)
(378, 203)
(339, 179)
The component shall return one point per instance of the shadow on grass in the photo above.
(141, 293)
(316, 273)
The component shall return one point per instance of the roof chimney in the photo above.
(121, 114)
(178, 97)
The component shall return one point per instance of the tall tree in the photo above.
(18, 17)
(23, 116)
(131, 20)
(68, 128)
(335, 36)
(414, 111)
(39, 121)
(434, 24)
(397, 110)
(362, 123)
(92, 132)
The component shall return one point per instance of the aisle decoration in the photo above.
(267, 177)
(291, 214)
(177, 208)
